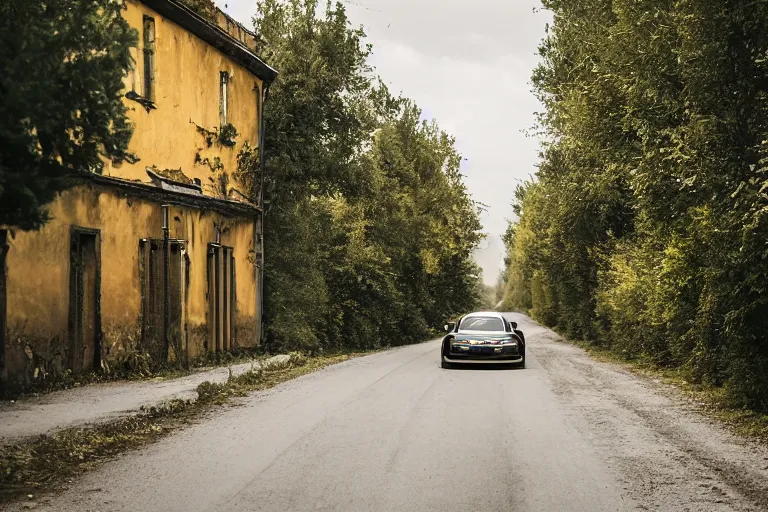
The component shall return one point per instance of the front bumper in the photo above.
(487, 360)
(483, 354)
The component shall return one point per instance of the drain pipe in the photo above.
(166, 276)
(262, 168)
(3, 304)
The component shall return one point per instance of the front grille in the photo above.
(484, 351)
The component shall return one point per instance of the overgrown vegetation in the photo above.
(63, 64)
(47, 462)
(225, 135)
(129, 365)
(205, 8)
(228, 135)
(645, 229)
(369, 228)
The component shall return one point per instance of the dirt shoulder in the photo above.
(670, 454)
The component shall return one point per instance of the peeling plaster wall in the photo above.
(38, 283)
(236, 29)
(199, 229)
(186, 94)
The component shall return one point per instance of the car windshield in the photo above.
(482, 323)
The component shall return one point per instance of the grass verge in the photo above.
(710, 400)
(49, 462)
(134, 367)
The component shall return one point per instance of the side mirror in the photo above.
(449, 326)
(514, 325)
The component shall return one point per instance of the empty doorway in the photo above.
(164, 271)
(85, 300)
(221, 299)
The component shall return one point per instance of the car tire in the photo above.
(445, 364)
(521, 364)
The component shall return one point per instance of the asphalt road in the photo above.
(394, 432)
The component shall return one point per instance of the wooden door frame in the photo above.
(217, 331)
(76, 303)
(145, 250)
(4, 248)
(212, 264)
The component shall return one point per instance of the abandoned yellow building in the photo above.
(162, 255)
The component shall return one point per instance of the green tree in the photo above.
(432, 225)
(645, 228)
(315, 130)
(63, 65)
(369, 228)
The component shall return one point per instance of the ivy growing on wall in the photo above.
(215, 164)
(226, 135)
(248, 172)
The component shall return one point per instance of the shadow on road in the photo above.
(484, 368)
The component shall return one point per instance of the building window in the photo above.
(223, 98)
(149, 58)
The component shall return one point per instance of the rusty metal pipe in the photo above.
(166, 276)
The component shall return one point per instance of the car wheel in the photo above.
(445, 364)
(521, 364)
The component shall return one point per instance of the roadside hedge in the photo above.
(646, 227)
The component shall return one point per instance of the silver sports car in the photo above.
(483, 338)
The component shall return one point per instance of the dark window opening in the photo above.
(223, 98)
(149, 58)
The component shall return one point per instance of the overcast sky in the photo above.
(467, 65)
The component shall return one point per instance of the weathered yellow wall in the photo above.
(199, 229)
(186, 94)
(236, 30)
(38, 272)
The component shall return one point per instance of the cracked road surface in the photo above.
(394, 432)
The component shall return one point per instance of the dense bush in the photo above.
(646, 227)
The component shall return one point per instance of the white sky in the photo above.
(468, 65)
